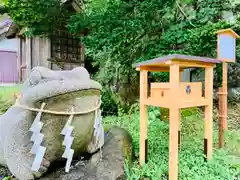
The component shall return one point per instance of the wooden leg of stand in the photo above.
(208, 112)
(173, 143)
(143, 117)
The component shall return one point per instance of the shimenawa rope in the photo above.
(17, 104)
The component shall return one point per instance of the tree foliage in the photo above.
(125, 32)
(37, 17)
(122, 32)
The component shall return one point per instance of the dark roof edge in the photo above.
(177, 56)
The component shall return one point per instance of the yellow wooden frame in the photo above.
(163, 94)
(175, 67)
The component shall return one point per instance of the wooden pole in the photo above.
(208, 112)
(220, 121)
(143, 116)
(222, 106)
(224, 94)
(179, 122)
(174, 122)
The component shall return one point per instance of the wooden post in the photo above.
(221, 118)
(174, 122)
(223, 106)
(143, 116)
(179, 122)
(208, 112)
(19, 59)
(224, 94)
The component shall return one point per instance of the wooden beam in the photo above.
(160, 85)
(158, 102)
(193, 103)
(155, 68)
(143, 115)
(208, 112)
(191, 63)
(174, 122)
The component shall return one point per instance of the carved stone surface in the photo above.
(62, 91)
(110, 166)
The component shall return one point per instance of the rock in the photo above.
(117, 148)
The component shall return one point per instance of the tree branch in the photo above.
(178, 5)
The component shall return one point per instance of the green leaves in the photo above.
(40, 16)
(191, 158)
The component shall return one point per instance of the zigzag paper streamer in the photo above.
(37, 125)
(98, 128)
(67, 142)
(37, 138)
(38, 159)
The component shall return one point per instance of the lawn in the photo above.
(225, 164)
(6, 92)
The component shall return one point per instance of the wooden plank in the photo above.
(164, 102)
(160, 85)
(143, 115)
(193, 103)
(158, 102)
(208, 112)
(174, 122)
(37, 58)
(190, 90)
(19, 59)
(188, 64)
(153, 69)
(28, 56)
(156, 68)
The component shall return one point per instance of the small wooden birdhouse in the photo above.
(227, 45)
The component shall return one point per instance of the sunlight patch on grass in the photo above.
(7, 91)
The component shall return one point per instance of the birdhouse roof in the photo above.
(228, 31)
(184, 61)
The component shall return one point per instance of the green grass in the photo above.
(7, 91)
(225, 164)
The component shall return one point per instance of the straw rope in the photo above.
(17, 104)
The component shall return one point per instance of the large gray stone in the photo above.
(61, 91)
(117, 149)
